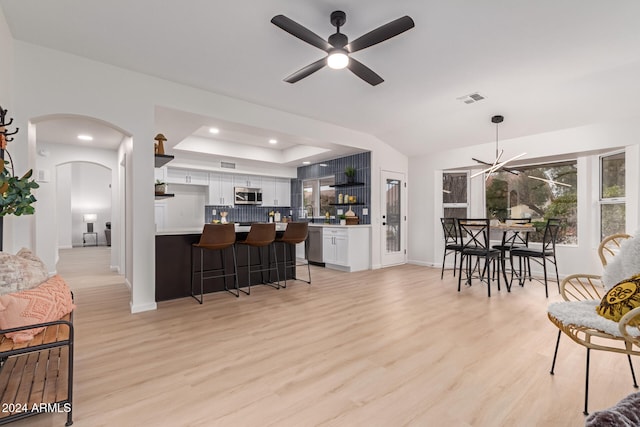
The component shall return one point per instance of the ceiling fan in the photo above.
(338, 47)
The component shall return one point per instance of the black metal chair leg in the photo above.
(633, 374)
(555, 353)
(586, 384)
(544, 268)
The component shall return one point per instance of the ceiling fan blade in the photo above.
(364, 72)
(300, 32)
(306, 71)
(381, 34)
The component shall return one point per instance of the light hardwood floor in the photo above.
(390, 347)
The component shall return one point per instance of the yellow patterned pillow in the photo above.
(622, 298)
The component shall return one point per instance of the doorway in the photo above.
(394, 219)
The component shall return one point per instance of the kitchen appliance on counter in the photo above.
(247, 196)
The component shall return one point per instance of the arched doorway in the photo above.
(75, 156)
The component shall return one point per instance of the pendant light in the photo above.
(496, 165)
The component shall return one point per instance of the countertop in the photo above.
(280, 226)
(337, 225)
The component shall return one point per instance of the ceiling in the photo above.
(545, 65)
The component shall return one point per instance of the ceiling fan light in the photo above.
(338, 59)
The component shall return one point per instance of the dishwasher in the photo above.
(314, 246)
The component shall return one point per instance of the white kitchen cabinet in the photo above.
(276, 192)
(186, 176)
(250, 181)
(220, 189)
(269, 191)
(283, 192)
(346, 248)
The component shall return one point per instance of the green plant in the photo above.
(343, 216)
(16, 192)
(350, 171)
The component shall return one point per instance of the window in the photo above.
(538, 192)
(454, 194)
(612, 194)
(318, 194)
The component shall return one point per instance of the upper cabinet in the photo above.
(276, 191)
(186, 176)
(250, 181)
(220, 189)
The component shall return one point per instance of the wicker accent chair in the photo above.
(577, 318)
(610, 246)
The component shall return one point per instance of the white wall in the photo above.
(90, 193)
(186, 209)
(425, 243)
(63, 206)
(73, 85)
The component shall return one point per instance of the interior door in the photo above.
(393, 219)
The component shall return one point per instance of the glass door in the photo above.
(393, 219)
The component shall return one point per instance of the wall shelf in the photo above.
(163, 159)
(345, 184)
(164, 196)
(345, 204)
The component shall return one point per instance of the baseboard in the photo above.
(143, 307)
(425, 263)
(126, 282)
(65, 247)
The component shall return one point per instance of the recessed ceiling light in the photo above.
(324, 165)
(306, 163)
(214, 130)
(273, 141)
(85, 137)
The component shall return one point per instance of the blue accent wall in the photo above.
(361, 162)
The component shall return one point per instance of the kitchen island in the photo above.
(173, 263)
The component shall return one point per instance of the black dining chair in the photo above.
(512, 239)
(547, 253)
(452, 244)
(475, 235)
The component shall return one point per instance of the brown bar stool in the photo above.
(261, 235)
(215, 237)
(295, 233)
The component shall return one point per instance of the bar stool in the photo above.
(261, 235)
(215, 237)
(295, 233)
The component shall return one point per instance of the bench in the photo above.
(37, 376)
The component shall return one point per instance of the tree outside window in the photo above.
(510, 195)
(612, 194)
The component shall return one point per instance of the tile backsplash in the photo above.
(244, 213)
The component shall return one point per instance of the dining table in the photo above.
(509, 234)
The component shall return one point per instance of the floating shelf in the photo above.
(353, 184)
(164, 196)
(163, 159)
(345, 204)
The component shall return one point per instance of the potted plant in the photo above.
(350, 173)
(161, 187)
(16, 192)
(16, 198)
(343, 219)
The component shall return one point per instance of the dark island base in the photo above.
(173, 266)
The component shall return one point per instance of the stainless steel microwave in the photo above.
(248, 196)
